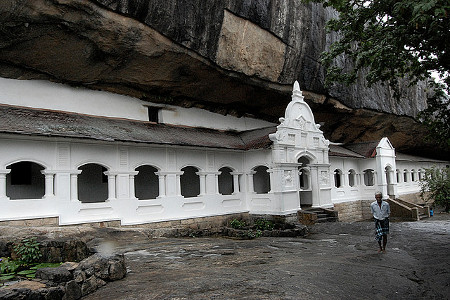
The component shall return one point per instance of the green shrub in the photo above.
(237, 224)
(28, 251)
(8, 266)
(9, 269)
(262, 224)
(254, 234)
(435, 186)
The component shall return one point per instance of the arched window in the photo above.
(369, 179)
(190, 182)
(303, 161)
(225, 181)
(304, 178)
(261, 180)
(420, 174)
(399, 176)
(146, 183)
(351, 177)
(25, 181)
(413, 175)
(92, 184)
(337, 178)
(405, 175)
(304, 173)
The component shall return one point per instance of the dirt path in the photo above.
(336, 261)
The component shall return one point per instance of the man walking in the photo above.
(381, 211)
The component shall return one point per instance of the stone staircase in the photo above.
(313, 215)
(402, 210)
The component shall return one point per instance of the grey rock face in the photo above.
(228, 56)
(199, 26)
(172, 48)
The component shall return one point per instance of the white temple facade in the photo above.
(84, 156)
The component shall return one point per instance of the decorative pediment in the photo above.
(298, 114)
(300, 123)
(298, 132)
(385, 144)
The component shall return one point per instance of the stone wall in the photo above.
(354, 210)
(208, 225)
(412, 198)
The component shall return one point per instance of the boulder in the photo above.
(58, 275)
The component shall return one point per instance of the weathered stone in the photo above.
(23, 290)
(117, 268)
(58, 274)
(53, 293)
(79, 276)
(73, 291)
(70, 266)
(91, 284)
(63, 250)
(5, 248)
(245, 47)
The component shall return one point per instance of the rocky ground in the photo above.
(335, 261)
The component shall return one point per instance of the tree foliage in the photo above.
(435, 186)
(392, 40)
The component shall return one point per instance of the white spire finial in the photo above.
(296, 92)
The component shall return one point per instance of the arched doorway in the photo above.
(25, 181)
(92, 184)
(190, 182)
(305, 192)
(261, 180)
(225, 181)
(146, 183)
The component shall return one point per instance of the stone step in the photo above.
(327, 219)
(423, 216)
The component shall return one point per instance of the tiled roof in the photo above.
(340, 151)
(406, 157)
(258, 138)
(39, 122)
(366, 149)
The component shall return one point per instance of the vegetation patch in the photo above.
(26, 263)
(240, 229)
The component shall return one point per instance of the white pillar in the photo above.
(271, 180)
(74, 185)
(235, 182)
(3, 184)
(316, 183)
(251, 188)
(178, 182)
(131, 184)
(216, 182)
(161, 184)
(48, 183)
(111, 185)
(202, 182)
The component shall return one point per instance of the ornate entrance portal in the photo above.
(299, 147)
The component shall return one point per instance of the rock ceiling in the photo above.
(231, 57)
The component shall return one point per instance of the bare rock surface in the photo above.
(335, 261)
(232, 57)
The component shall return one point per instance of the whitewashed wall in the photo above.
(62, 158)
(56, 96)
